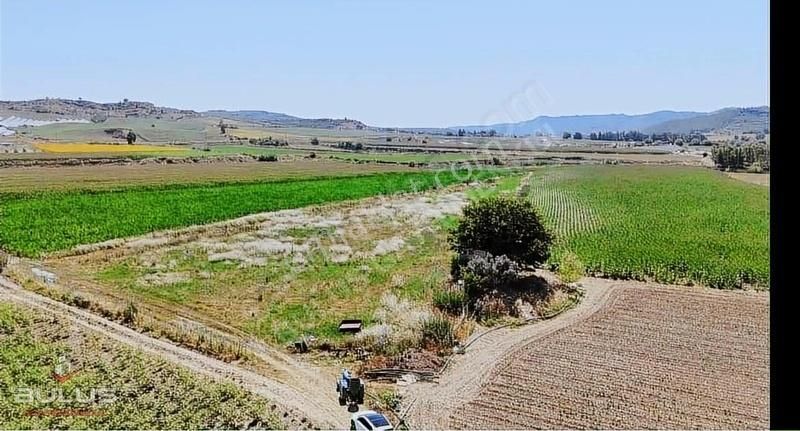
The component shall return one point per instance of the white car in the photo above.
(369, 420)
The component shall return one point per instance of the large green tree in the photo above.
(503, 225)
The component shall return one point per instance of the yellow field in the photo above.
(103, 148)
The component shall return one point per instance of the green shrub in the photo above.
(571, 269)
(438, 331)
(75, 300)
(451, 300)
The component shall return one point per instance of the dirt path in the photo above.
(312, 402)
(467, 373)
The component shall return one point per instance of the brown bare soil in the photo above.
(630, 356)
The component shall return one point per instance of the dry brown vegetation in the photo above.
(760, 179)
(653, 357)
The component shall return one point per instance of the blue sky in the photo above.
(388, 63)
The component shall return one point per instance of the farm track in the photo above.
(630, 356)
(469, 372)
(308, 401)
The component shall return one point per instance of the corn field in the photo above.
(668, 224)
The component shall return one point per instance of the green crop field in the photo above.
(130, 389)
(224, 150)
(408, 157)
(670, 224)
(36, 223)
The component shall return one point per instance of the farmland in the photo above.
(331, 249)
(651, 357)
(283, 274)
(36, 223)
(409, 157)
(669, 224)
(147, 391)
(83, 148)
(147, 129)
(115, 176)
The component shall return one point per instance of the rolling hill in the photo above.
(82, 119)
(732, 120)
(729, 119)
(283, 120)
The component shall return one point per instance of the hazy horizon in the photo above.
(408, 64)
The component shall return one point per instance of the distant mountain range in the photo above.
(277, 119)
(729, 119)
(734, 120)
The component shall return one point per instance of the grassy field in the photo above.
(671, 224)
(142, 392)
(36, 223)
(281, 300)
(103, 177)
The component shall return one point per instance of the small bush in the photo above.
(571, 268)
(490, 308)
(451, 301)
(75, 300)
(755, 168)
(483, 272)
(437, 331)
(398, 326)
(130, 314)
(389, 399)
(3, 260)
(267, 158)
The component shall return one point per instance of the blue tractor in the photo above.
(351, 391)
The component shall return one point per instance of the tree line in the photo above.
(464, 132)
(637, 136)
(347, 145)
(751, 157)
(268, 141)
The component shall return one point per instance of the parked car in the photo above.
(369, 420)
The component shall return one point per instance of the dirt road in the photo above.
(308, 400)
(468, 373)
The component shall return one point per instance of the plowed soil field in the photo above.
(653, 357)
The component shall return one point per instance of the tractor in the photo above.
(351, 391)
